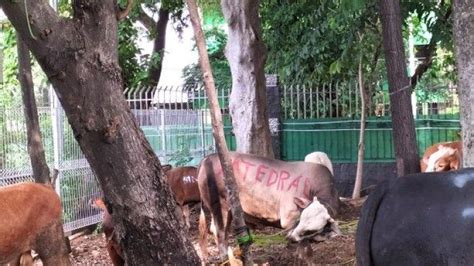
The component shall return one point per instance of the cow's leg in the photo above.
(228, 225)
(203, 228)
(185, 210)
(14, 262)
(51, 247)
(26, 259)
(221, 224)
(114, 253)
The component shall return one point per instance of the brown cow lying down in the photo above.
(30, 219)
(442, 156)
(183, 183)
(288, 193)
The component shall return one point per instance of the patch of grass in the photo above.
(269, 240)
(348, 227)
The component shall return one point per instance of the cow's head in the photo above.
(313, 220)
(445, 159)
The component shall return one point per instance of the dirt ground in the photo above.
(270, 247)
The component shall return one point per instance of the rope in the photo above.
(400, 90)
(28, 21)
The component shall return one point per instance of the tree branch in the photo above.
(147, 21)
(124, 13)
(428, 61)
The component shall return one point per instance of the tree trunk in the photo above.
(464, 43)
(360, 155)
(246, 54)
(403, 123)
(80, 58)
(35, 146)
(241, 230)
(156, 63)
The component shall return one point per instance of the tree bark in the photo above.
(80, 58)
(246, 54)
(241, 230)
(361, 152)
(403, 123)
(147, 21)
(39, 166)
(154, 71)
(464, 46)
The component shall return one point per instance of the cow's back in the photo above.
(183, 183)
(261, 192)
(426, 219)
(26, 209)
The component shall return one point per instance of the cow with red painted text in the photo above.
(30, 219)
(297, 196)
(444, 156)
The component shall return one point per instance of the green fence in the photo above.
(339, 137)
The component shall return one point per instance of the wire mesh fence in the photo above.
(176, 122)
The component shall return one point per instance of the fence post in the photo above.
(274, 112)
(163, 134)
(57, 138)
(201, 132)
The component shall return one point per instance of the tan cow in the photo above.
(442, 156)
(30, 219)
(288, 194)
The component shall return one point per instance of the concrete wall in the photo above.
(344, 174)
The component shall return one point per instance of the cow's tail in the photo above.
(366, 222)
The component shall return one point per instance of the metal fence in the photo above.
(176, 122)
(326, 118)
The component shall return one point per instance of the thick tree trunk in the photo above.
(241, 230)
(80, 58)
(361, 152)
(246, 54)
(154, 71)
(464, 41)
(403, 123)
(35, 146)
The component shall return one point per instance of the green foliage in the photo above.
(9, 91)
(322, 41)
(325, 38)
(181, 157)
(133, 70)
(216, 40)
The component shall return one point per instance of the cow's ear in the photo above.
(166, 167)
(301, 202)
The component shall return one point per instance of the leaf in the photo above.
(335, 67)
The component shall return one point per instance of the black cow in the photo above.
(420, 219)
